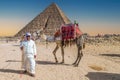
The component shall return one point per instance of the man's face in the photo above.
(28, 38)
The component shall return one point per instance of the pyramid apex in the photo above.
(53, 3)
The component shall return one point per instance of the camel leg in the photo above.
(77, 58)
(62, 54)
(80, 56)
(54, 53)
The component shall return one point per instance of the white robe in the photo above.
(29, 50)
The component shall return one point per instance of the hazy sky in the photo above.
(94, 16)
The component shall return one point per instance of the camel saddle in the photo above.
(68, 31)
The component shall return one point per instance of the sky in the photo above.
(94, 16)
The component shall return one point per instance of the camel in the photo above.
(78, 41)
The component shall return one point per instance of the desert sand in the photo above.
(100, 62)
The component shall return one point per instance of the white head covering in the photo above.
(28, 34)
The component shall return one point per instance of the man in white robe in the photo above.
(29, 48)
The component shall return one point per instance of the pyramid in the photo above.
(50, 20)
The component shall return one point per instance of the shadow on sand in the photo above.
(50, 63)
(111, 55)
(102, 76)
(16, 45)
(13, 61)
(10, 71)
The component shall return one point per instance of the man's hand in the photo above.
(34, 56)
(21, 48)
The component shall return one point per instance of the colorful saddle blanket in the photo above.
(68, 31)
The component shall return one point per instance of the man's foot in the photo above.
(33, 75)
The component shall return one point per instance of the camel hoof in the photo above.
(75, 65)
(56, 61)
(62, 62)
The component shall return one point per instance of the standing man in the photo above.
(29, 48)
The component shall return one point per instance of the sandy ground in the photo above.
(100, 62)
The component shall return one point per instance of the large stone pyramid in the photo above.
(50, 20)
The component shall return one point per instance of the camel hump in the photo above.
(70, 31)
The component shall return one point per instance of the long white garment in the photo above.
(29, 49)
